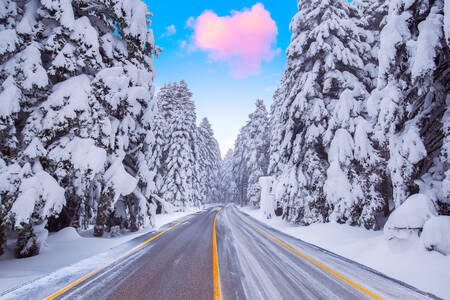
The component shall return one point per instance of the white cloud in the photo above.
(190, 22)
(170, 30)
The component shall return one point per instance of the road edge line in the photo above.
(216, 277)
(310, 259)
(71, 285)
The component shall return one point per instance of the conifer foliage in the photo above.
(360, 120)
(83, 141)
(250, 156)
(209, 163)
(191, 155)
(181, 174)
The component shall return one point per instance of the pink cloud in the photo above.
(242, 40)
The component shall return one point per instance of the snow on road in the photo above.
(65, 248)
(412, 264)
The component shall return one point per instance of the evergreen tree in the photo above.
(258, 151)
(180, 184)
(318, 102)
(227, 185)
(209, 161)
(408, 106)
(250, 157)
(76, 98)
(240, 166)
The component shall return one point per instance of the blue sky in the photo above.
(221, 97)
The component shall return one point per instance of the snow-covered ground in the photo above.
(62, 249)
(428, 271)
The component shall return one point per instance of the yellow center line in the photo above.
(216, 262)
(310, 259)
(112, 261)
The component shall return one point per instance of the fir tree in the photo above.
(258, 151)
(407, 108)
(77, 98)
(227, 184)
(325, 77)
(209, 162)
(180, 184)
(240, 166)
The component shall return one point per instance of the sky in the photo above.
(230, 53)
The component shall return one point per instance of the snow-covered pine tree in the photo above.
(24, 83)
(209, 161)
(318, 103)
(257, 155)
(227, 184)
(180, 186)
(151, 164)
(125, 91)
(250, 156)
(240, 166)
(409, 105)
(50, 53)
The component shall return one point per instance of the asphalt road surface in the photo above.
(254, 262)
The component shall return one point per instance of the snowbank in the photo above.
(436, 234)
(428, 271)
(65, 235)
(408, 219)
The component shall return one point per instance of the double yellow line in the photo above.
(112, 261)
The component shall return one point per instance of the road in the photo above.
(253, 261)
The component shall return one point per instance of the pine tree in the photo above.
(151, 165)
(125, 91)
(209, 161)
(258, 151)
(325, 77)
(180, 184)
(227, 185)
(60, 65)
(240, 165)
(250, 157)
(408, 106)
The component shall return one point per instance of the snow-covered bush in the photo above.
(409, 218)
(436, 234)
